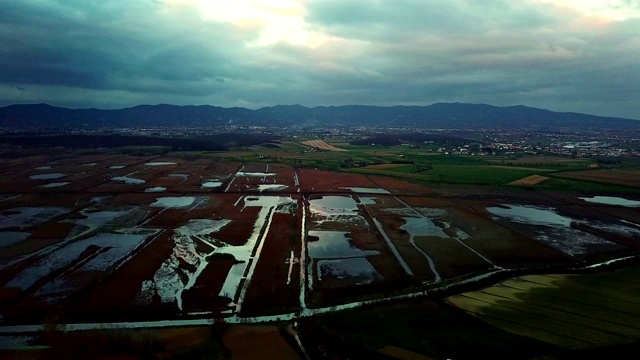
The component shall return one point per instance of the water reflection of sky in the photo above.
(552, 228)
(334, 205)
(46, 176)
(335, 245)
(353, 269)
(174, 202)
(612, 200)
(531, 215)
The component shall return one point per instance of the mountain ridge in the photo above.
(437, 115)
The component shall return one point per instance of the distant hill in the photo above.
(440, 115)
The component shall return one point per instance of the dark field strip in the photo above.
(606, 280)
(633, 271)
(595, 288)
(544, 323)
(609, 285)
(567, 305)
(615, 277)
(580, 297)
(539, 334)
(574, 311)
(560, 316)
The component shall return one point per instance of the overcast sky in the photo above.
(562, 55)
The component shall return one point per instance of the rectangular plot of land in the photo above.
(320, 144)
(529, 180)
(451, 258)
(575, 311)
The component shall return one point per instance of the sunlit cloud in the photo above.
(273, 21)
(565, 55)
(611, 10)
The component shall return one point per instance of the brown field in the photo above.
(501, 245)
(529, 180)
(609, 176)
(442, 251)
(269, 292)
(203, 296)
(257, 342)
(112, 294)
(284, 175)
(400, 187)
(115, 297)
(320, 144)
(312, 180)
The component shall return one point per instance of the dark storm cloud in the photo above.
(108, 48)
(122, 53)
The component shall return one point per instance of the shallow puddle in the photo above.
(155, 189)
(335, 245)
(612, 200)
(333, 205)
(55, 184)
(362, 190)
(170, 281)
(48, 176)
(24, 217)
(159, 163)
(211, 184)
(271, 187)
(174, 202)
(254, 174)
(94, 219)
(358, 270)
(553, 229)
(128, 180)
(11, 237)
(113, 247)
(422, 227)
(531, 215)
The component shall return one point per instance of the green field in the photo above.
(583, 186)
(572, 311)
(422, 165)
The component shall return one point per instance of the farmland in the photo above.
(576, 312)
(265, 235)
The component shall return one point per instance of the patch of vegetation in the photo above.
(456, 174)
(584, 186)
(95, 344)
(448, 159)
(212, 349)
(428, 328)
(196, 143)
(142, 150)
(410, 138)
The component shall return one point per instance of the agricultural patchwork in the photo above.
(124, 238)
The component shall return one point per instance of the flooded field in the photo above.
(556, 231)
(612, 200)
(147, 238)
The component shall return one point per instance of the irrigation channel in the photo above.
(304, 312)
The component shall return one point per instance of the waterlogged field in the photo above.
(107, 238)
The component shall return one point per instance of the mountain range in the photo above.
(439, 115)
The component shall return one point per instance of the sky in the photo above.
(562, 55)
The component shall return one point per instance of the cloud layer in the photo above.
(562, 55)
